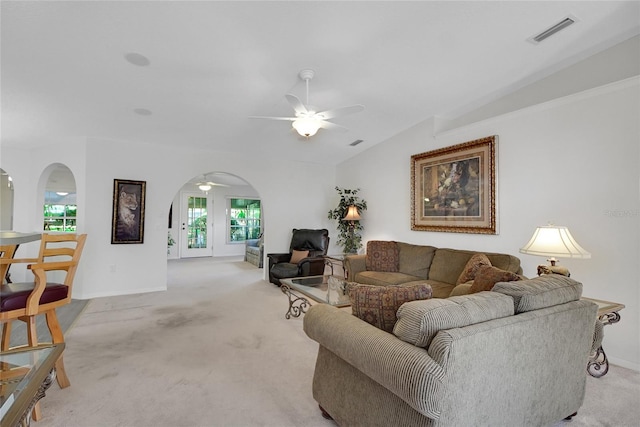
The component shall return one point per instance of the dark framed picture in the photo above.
(127, 221)
(453, 189)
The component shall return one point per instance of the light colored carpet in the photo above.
(66, 316)
(216, 350)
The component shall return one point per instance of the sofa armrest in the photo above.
(354, 264)
(251, 242)
(406, 370)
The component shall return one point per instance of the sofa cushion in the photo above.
(415, 260)
(469, 271)
(382, 255)
(419, 321)
(447, 265)
(383, 278)
(505, 262)
(378, 305)
(297, 256)
(461, 289)
(540, 292)
(487, 276)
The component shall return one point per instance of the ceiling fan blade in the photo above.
(341, 111)
(274, 118)
(296, 104)
(332, 126)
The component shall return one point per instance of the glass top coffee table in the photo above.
(25, 374)
(322, 289)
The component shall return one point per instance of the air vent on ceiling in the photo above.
(356, 142)
(569, 20)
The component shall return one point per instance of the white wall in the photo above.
(292, 194)
(573, 161)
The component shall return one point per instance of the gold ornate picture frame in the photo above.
(453, 189)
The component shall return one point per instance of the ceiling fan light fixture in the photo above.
(204, 187)
(306, 126)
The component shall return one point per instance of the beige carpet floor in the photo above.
(216, 350)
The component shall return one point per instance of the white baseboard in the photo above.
(624, 363)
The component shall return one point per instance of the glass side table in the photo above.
(598, 364)
(336, 261)
(25, 375)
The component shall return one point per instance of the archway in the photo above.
(201, 217)
(59, 204)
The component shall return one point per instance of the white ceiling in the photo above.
(213, 64)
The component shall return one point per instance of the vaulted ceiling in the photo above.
(67, 71)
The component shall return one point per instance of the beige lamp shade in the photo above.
(352, 214)
(554, 241)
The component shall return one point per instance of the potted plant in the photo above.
(170, 242)
(348, 230)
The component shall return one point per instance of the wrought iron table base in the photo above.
(297, 305)
(598, 364)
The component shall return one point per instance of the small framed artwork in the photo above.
(127, 221)
(453, 189)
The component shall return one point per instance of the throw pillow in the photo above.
(382, 256)
(297, 256)
(469, 271)
(378, 305)
(487, 276)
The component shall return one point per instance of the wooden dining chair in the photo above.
(25, 301)
(6, 255)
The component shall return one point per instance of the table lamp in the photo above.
(352, 214)
(554, 241)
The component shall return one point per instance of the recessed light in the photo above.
(137, 59)
(143, 112)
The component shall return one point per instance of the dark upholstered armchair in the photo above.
(316, 242)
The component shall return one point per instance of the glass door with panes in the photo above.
(195, 232)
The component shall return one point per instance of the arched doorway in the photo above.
(59, 205)
(212, 215)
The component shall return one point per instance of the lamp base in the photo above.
(553, 269)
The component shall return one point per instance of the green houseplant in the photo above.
(348, 231)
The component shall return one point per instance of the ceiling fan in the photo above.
(307, 119)
(207, 185)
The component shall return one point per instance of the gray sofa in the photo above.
(439, 267)
(513, 356)
(254, 252)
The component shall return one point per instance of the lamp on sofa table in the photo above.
(351, 217)
(554, 241)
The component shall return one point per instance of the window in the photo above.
(60, 218)
(244, 220)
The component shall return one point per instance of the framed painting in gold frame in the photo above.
(453, 189)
